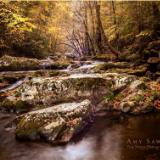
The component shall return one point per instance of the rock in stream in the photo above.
(77, 96)
(56, 124)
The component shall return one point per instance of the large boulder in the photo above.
(57, 124)
(43, 92)
(10, 63)
(18, 63)
(122, 67)
(126, 93)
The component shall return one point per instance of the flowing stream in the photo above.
(110, 137)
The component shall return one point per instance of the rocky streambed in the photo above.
(58, 107)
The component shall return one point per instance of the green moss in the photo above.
(123, 56)
(18, 63)
(83, 84)
(48, 73)
(138, 98)
(155, 94)
(17, 106)
(89, 83)
(113, 67)
(110, 96)
(57, 73)
(22, 106)
(139, 71)
(27, 130)
(105, 57)
(6, 104)
(2, 79)
(133, 57)
(120, 96)
(104, 66)
(61, 64)
(29, 126)
(147, 53)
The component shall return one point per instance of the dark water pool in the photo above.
(110, 137)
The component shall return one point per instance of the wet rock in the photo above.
(9, 63)
(105, 57)
(111, 65)
(10, 105)
(44, 92)
(57, 124)
(138, 71)
(122, 67)
(126, 106)
(133, 57)
(137, 84)
(87, 67)
(18, 63)
(122, 81)
(137, 98)
(73, 66)
(48, 91)
(122, 92)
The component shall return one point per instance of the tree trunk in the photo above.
(88, 39)
(156, 16)
(115, 23)
(103, 46)
(92, 26)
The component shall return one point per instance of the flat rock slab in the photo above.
(45, 92)
(48, 91)
(57, 124)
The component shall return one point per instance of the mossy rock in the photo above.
(107, 66)
(139, 70)
(60, 64)
(56, 124)
(122, 56)
(129, 57)
(30, 133)
(48, 73)
(109, 97)
(104, 66)
(18, 63)
(105, 57)
(145, 102)
(133, 57)
(121, 65)
(89, 83)
(14, 106)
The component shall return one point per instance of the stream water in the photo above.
(110, 137)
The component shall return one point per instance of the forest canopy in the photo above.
(85, 28)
